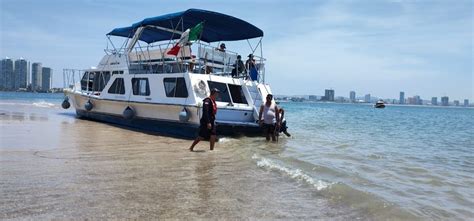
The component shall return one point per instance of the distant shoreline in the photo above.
(371, 104)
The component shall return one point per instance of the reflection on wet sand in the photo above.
(69, 168)
(206, 181)
(20, 116)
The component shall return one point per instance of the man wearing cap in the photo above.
(250, 65)
(221, 47)
(239, 67)
(207, 128)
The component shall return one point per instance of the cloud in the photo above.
(336, 46)
(377, 47)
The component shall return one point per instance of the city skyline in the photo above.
(330, 95)
(16, 75)
(35, 77)
(379, 47)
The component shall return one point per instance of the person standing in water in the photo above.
(283, 127)
(207, 128)
(271, 119)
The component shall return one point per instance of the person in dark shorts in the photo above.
(239, 67)
(269, 118)
(207, 128)
(283, 127)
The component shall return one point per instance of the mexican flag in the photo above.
(187, 36)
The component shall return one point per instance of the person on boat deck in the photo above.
(252, 67)
(191, 63)
(283, 127)
(221, 47)
(271, 119)
(239, 67)
(207, 128)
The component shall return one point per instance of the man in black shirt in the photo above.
(207, 128)
(239, 67)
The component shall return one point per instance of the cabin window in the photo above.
(224, 93)
(237, 94)
(117, 72)
(117, 87)
(95, 81)
(87, 81)
(175, 87)
(100, 80)
(140, 86)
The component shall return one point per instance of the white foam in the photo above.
(293, 173)
(43, 104)
(225, 140)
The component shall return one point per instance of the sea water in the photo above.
(401, 162)
(417, 158)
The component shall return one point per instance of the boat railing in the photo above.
(90, 82)
(71, 77)
(197, 58)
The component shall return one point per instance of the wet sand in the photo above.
(54, 166)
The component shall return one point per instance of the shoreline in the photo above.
(84, 169)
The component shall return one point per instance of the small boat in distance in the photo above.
(379, 104)
(157, 79)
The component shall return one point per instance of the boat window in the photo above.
(100, 80)
(87, 81)
(117, 72)
(175, 87)
(140, 86)
(237, 94)
(117, 87)
(224, 93)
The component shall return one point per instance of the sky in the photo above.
(420, 47)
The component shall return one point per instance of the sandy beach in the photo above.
(54, 166)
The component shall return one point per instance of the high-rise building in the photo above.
(46, 78)
(352, 96)
(445, 101)
(36, 74)
(402, 97)
(466, 102)
(2, 76)
(329, 95)
(367, 98)
(434, 101)
(21, 73)
(7, 79)
(456, 103)
(28, 75)
(417, 100)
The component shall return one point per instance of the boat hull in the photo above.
(157, 118)
(170, 128)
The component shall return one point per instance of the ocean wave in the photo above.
(43, 104)
(297, 174)
(36, 104)
(226, 140)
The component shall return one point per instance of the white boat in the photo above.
(379, 104)
(149, 88)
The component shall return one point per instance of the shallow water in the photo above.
(420, 159)
(342, 162)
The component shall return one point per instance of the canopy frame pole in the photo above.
(261, 60)
(112, 43)
(135, 38)
(167, 29)
(180, 63)
(250, 45)
(261, 54)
